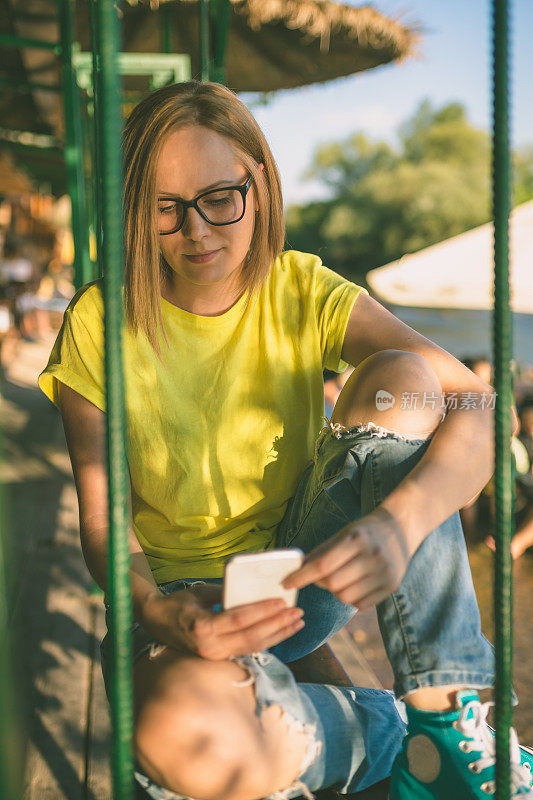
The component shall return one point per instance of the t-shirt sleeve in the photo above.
(334, 300)
(77, 358)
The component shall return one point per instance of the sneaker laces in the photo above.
(472, 723)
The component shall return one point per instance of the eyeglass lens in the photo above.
(220, 207)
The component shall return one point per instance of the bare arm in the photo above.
(84, 426)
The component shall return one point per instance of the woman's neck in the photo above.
(205, 301)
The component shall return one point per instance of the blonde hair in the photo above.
(162, 112)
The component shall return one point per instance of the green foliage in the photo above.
(523, 174)
(387, 202)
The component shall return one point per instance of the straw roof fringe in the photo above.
(321, 18)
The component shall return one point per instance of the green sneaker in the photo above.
(452, 755)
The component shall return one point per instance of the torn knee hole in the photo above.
(313, 747)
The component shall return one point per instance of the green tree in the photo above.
(386, 202)
(523, 174)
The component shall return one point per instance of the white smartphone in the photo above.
(251, 577)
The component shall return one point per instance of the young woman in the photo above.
(224, 347)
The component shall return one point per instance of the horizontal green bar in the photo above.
(38, 68)
(30, 86)
(30, 139)
(33, 16)
(10, 40)
(163, 68)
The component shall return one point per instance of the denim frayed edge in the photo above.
(340, 431)
(435, 678)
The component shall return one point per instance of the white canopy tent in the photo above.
(459, 272)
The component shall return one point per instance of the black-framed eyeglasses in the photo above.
(222, 206)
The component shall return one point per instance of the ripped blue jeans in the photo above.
(430, 626)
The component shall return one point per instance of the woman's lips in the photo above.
(201, 259)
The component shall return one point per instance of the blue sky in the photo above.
(453, 64)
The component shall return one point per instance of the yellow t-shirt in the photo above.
(219, 434)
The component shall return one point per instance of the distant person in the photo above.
(6, 332)
(526, 425)
(522, 455)
(471, 513)
(17, 279)
(52, 297)
(333, 383)
(523, 461)
(15, 269)
(331, 391)
(480, 366)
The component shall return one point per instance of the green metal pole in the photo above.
(502, 334)
(74, 150)
(90, 167)
(205, 49)
(220, 16)
(10, 734)
(119, 589)
(166, 14)
(97, 138)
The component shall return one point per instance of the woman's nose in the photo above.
(194, 225)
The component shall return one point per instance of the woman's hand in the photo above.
(185, 620)
(362, 564)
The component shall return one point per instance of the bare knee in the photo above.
(396, 389)
(197, 734)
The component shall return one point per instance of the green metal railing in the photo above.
(108, 113)
(502, 343)
(11, 40)
(83, 270)
(11, 751)
(97, 136)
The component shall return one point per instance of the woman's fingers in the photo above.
(259, 636)
(350, 573)
(327, 558)
(357, 592)
(280, 636)
(242, 617)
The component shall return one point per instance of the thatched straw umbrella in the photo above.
(272, 44)
(280, 44)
